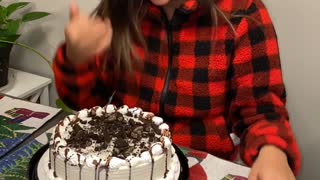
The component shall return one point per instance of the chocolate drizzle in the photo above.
(107, 173)
(99, 170)
(129, 170)
(80, 166)
(49, 164)
(166, 166)
(107, 167)
(152, 163)
(56, 133)
(65, 170)
(54, 164)
(96, 173)
(65, 162)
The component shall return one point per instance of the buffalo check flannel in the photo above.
(206, 81)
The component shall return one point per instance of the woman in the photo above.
(209, 67)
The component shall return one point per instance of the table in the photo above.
(202, 165)
(26, 85)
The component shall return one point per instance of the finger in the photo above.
(74, 10)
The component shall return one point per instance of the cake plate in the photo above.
(33, 164)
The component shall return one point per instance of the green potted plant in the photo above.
(9, 34)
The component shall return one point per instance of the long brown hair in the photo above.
(126, 15)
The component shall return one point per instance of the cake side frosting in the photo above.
(44, 173)
(112, 139)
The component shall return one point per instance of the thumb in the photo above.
(74, 10)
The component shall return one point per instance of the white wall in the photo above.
(298, 30)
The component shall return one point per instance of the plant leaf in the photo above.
(15, 6)
(13, 26)
(6, 37)
(34, 16)
(3, 15)
(65, 108)
(9, 37)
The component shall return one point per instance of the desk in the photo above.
(26, 85)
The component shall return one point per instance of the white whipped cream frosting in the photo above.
(117, 162)
(157, 149)
(99, 111)
(110, 108)
(157, 120)
(167, 142)
(123, 109)
(163, 127)
(146, 157)
(83, 114)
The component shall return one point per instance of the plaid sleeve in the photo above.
(258, 111)
(80, 86)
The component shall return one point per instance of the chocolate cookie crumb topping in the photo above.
(119, 134)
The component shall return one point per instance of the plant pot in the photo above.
(4, 64)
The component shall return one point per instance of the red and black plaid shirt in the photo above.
(205, 88)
